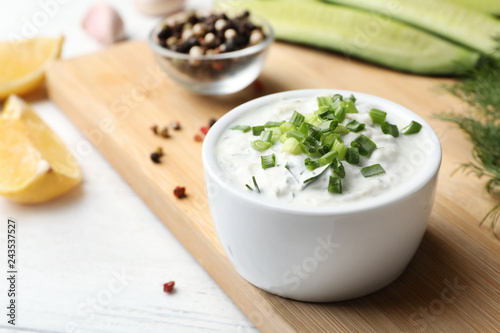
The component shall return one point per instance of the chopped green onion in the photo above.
(330, 139)
(328, 158)
(304, 128)
(372, 170)
(292, 146)
(351, 108)
(268, 161)
(390, 129)
(341, 129)
(335, 185)
(352, 156)
(296, 134)
(266, 136)
(355, 126)
(364, 145)
(260, 145)
(340, 148)
(352, 98)
(312, 118)
(311, 164)
(338, 97)
(325, 101)
(378, 116)
(337, 168)
(256, 130)
(322, 150)
(287, 127)
(273, 124)
(341, 111)
(255, 184)
(309, 145)
(243, 128)
(297, 118)
(328, 126)
(413, 128)
(314, 132)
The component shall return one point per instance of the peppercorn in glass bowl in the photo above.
(211, 52)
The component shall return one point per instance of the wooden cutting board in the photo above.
(452, 284)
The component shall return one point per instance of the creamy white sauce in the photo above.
(402, 158)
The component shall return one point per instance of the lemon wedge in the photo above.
(35, 165)
(23, 63)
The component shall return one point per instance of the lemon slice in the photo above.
(35, 165)
(23, 63)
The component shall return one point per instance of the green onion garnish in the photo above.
(287, 127)
(309, 145)
(322, 150)
(352, 156)
(311, 164)
(335, 185)
(330, 139)
(413, 128)
(378, 116)
(355, 126)
(372, 170)
(337, 168)
(328, 158)
(256, 130)
(296, 134)
(314, 132)
(340, 148)
(364, 145)
(352, 98)
(243, 128)
(390, 129)
(325, 101)
(268, 161)
(297, 119)
(341, 111)
(273, 124)
(328, 126)
(292, 146)
(351, 108)
(260, 145)
(255, 184)
(266, 136)
(341, 129)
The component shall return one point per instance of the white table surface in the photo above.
(95, 259)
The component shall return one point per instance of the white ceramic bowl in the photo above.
(320, 254)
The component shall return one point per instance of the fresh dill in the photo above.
(480, 90)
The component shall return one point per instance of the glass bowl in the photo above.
(214, 74)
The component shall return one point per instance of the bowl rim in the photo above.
(221, 56)
(212, 168)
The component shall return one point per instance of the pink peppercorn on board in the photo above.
(451, 285)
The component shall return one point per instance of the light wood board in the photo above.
(452, 284)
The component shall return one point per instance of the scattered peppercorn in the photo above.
(164, 132)
(212, 122)
(168, 287)
(175, 125)
(180, 192)
(157, 155)
(154, 128)
(258, 85)
(204, 129)
(198, 138)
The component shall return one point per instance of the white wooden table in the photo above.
(95, 259)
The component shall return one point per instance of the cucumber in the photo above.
(463, 25)
(360, 34)
(487, 6)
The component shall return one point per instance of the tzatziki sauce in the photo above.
(401, 157)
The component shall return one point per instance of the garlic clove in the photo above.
(103, 23)
(158, 7)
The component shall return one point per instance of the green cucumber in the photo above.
(470, 28)
(368, 36)
(486, 6)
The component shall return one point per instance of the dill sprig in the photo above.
(480, 90)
